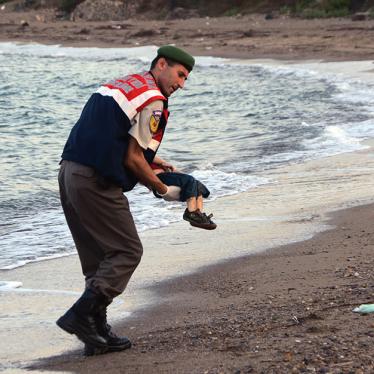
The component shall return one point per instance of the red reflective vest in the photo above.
(100, 137)
(133, 92)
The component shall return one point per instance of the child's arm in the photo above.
(166, 166)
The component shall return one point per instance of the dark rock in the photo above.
(248, 33)
(182, 13)
(83, 31)
(360, 16)
(144, 33)
(61, 14)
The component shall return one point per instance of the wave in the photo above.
(333, 140)
(143, 54)
(21, 263)
(294, 114)
(56, 51)
(6, 286)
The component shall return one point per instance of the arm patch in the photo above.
(155, 120)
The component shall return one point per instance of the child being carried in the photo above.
(192, 192)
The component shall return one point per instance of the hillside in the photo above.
(166, 9)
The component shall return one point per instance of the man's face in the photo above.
(171, 78)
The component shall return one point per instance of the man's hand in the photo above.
(164, 165)
(134, 160)
(168, 167)
(172, 194)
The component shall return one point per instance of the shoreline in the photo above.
(32, 315)
(303, 216)
(287, 310)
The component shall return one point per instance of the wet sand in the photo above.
(288, 310)
(233, 315)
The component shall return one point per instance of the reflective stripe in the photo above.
(130, 107)
(120, 99)
(145, 97)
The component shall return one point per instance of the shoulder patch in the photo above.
(155, 120)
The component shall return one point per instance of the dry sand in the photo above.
(242, 37)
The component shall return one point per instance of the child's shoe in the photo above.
(199, 219)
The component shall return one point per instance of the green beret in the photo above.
(177, 55)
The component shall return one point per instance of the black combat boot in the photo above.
(80, 319)
(114, 343)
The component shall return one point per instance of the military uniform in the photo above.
(92, 180)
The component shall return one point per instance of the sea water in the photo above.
(231, 126)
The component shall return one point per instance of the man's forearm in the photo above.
(158, 160)
(166, 166)
(141, 169)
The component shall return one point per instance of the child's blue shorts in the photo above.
(190, 187)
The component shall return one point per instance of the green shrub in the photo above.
(285, 9)
(301, 5)
(231, 12)
(313, 13)
(322, 8)
(344, 12)
(336, 5)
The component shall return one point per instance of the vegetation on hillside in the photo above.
(324, 8)
(297, 8)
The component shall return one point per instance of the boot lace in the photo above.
(107, 329)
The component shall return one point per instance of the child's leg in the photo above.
(199, 203)
(192, 204)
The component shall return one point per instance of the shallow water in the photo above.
(232, 126)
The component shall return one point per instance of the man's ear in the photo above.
(162, 63)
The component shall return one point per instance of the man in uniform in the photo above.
(108, 151)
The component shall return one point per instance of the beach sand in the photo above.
(288, 310)
(233, 315)
(235, 308)
(250, 36)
